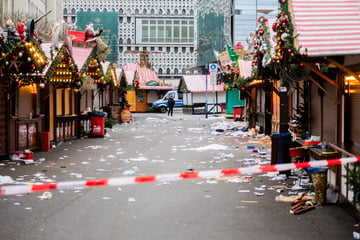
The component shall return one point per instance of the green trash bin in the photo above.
(319, 178)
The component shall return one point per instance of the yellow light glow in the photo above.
(33, 89)
(351, 80)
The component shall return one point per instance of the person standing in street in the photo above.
(171, 103)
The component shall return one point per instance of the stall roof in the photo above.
(145, 76)
(197, 83)
(327, 27)
(79, 54)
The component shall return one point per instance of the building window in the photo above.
(168, 49)
(128, 41)
(160, 71)
(176, 71)
(105, 10)
(160, 11)
(121, 41)
(152, 12)
(168, 12)
(168, 71)
(128, 48)
(121, 19)
(152, 49)
(176, 12)
(121, 11)
(128, 19)
(137, 11)
(144, 11)
(73, 11)
(160, 48)
(73, 19)
(176, 49)
(65, 11)
(192, 49)
(121, 49)
(183, 12)
(97, 10)
(184, 50)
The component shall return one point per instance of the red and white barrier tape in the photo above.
(72, 185)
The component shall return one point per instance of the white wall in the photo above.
(201, 97)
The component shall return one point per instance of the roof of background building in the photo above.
(327, 27)
(197, 83)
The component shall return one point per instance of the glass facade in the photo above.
(166, 31)
(246, 14)
(213, 32)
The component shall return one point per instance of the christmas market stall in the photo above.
(61, 98)
(111, 93)
(22, 65)
(331, 69)
(316, 77)
(194, 92)
(93, 83)
(145, 87)
(226, 64)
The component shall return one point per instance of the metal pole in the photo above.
(206, 101)
(214, 99)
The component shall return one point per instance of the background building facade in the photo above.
(162, 27)
(246, 14)
(214, 31)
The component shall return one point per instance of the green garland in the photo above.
(90, 58)
(63, 56)
(109, 77)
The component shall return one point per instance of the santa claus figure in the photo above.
(21, 27)
(91, 34)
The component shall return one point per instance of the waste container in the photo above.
(97, 124)
(238, 112)
(280, 145)
(319, 178)
(45, 141)
(223, 108)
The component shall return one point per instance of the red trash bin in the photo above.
(223, 108)
(97, 124)
(45, 141)
(238, 112)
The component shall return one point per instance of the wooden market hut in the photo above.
(144, 87)
(193, 88)
(333, 97)
(93, 84)
(61, 98)
(22, 81)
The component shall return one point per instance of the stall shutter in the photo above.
(3, 127)
(355, 118)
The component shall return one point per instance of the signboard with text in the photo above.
(108, 22)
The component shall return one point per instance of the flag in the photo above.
(77, 36)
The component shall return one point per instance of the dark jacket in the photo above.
(171, 102)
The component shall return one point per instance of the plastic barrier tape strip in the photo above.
(72, 185)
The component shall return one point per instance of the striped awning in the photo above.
(327, 27)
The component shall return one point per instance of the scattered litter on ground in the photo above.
(46, 196)
(6, 180)
(216, 147)
(259, 194)
(300, 196)
(243, 191)
(244, 201)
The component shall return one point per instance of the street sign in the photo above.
(212, 67)
(213, 78)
